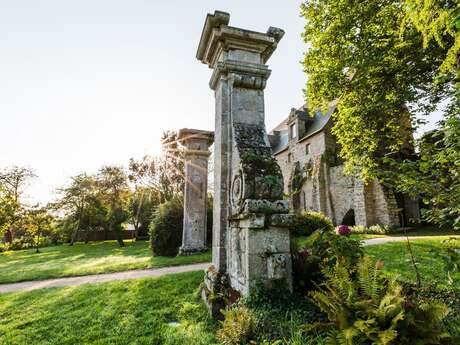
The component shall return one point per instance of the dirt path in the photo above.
(99, 278)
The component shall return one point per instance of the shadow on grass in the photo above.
(84, 259)
(129, 312)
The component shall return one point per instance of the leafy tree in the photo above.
(113, 189)
(386, 64)
(162, 175)
(155, 181)
(13, 182)
(75, 200)
(439, 20)
(142, 204)
(7, 209)
(37, 223)
(435, 176)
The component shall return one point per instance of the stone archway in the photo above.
(349, 218)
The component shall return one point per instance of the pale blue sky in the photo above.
(90, 82)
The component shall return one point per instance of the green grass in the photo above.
(128, 312)
(397, 259)
(83, 259)
(427, 231)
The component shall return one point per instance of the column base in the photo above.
(217, 293)
(183, 251)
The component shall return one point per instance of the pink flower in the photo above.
(304, 253)
(343, 230)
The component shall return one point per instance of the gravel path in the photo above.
(383, 240)
(99, 278)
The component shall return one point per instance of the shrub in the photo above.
(25, 242)
(306, 223)
(166, 228)
(372, 230)
(322, 250)
(238, 328)
(343, 230)
(363, 308)
(280, 314)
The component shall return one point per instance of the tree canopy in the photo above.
(388, 64)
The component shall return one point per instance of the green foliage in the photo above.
(436, 174)
(386, 65)
(280, 314)
(322, 250)
(450, 257)
(13, 182)
(25, 242)
(373, 229)
(238, 328)
(372, 60)
(166, 228)
(438, 20)
(362, 308)
(306, 223)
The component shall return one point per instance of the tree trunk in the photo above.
(74, 237)
(37, 250)
(120, 239)
(9, 236)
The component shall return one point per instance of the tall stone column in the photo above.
(250, 243)
(197, 144)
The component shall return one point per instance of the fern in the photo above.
(363, 308)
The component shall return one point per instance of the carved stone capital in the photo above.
(242, 74)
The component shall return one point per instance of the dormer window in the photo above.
(293, 129)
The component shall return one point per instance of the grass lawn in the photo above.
(398, 261)
(150, 311)
(83, 259)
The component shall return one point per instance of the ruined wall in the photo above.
(327, 189)
(341, 194)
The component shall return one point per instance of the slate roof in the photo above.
(279, 136)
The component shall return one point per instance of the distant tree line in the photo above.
(104, 201)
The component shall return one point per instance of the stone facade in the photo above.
(196, 143)
(314, 178)
(250, 232)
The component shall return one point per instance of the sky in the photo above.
(89, 83)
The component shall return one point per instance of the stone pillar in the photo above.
(197, 144)
(248, 233)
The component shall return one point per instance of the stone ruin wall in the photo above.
(332, 192)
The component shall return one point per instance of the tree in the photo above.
(37, 223)
(161, 175)
(386, 64)
(155, 180)
(113, 189)
(13, 182)
(75, 200)
(142, 204)
(439, 21)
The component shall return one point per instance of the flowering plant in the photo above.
(343, 230)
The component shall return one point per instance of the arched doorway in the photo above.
(349, 218)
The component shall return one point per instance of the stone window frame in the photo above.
(289, 157)
(293, 130)
(307, 149)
